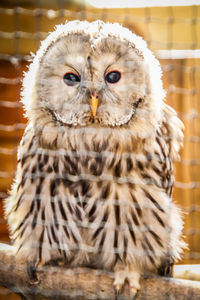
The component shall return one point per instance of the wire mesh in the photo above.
(171, 32)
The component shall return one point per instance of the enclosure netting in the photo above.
(172, 33)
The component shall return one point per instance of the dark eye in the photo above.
(113, 77)
(71, 79)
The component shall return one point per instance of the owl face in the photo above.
(82, 83)
(94, 74)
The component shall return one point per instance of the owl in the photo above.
(94, 180)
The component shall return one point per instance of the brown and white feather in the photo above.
(97, 193)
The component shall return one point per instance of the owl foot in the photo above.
(119, 288)
(31, 270)
(121, 275)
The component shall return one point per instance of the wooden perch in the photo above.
(85, 283)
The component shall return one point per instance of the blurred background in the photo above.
(172, 32)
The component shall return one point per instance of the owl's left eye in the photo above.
(71, 79)
(113, 76)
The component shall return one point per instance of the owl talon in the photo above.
(133, 292)
(116, 295)
(31, 270)
(118, 288)
(118, 291)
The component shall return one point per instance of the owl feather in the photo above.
(94, 180)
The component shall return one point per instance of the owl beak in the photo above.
(94, 103)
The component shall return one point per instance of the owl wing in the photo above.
(170, 140)
(173, 131)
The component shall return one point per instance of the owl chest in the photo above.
(81, 179)
(88, 185)
(86, 180)
(102, 200)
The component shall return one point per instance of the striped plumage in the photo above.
(97, 193)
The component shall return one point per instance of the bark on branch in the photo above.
(84, 283)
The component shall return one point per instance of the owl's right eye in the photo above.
(71, 79)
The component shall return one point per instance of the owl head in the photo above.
(94, 74)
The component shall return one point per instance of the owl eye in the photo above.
(113, 76)
(71, 79)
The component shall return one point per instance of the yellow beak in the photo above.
(94, 104)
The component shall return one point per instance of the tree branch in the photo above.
(85, 283)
